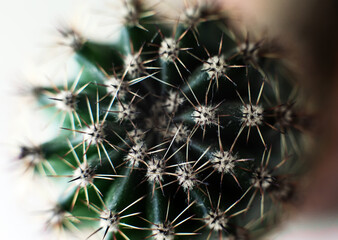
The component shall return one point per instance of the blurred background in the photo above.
(24, 25)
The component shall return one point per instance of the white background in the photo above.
(23, 25)
(27, 33)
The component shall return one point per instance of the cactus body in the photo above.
(173, 132)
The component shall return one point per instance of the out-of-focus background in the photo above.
(309, 27)
(25, 26)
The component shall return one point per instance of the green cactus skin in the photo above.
(172, 132)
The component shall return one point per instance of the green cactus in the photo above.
(175, 131)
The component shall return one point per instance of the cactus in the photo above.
(174, 131)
